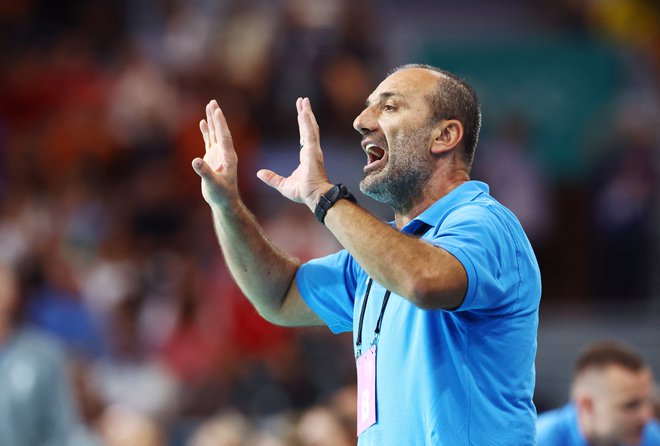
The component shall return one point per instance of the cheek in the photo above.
(620, 421)
(604, 418)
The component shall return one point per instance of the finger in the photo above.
(210, 108)
(270, 178)
(299, 110)
(203, 126)
(223, 135)
(307, 105)
(307, 126)
(303, 127)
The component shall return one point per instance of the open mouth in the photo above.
(374, 154)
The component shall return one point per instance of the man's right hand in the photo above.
(264, 273)
(218, 168)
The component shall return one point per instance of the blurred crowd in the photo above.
(103, 225)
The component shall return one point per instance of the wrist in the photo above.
(320, 191)
(227, 206)
(329, 198)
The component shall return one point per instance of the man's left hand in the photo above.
(309, 180)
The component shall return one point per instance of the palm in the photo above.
(306, 181)
(293, 186)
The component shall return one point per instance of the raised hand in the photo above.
(309, 180)
(218, 168)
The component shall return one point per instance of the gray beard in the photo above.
(401, 182)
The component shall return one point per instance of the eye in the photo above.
(389, 108)
(631, 406)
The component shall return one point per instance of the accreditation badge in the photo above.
(366, 398)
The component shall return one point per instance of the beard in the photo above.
(406, 173)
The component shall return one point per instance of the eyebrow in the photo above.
(383, 96)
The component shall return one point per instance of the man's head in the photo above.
(612, 390)
(417, 117)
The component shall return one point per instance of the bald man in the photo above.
(442, 302)
(611, 402)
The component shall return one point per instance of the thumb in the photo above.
(270, 178)
(202, 168)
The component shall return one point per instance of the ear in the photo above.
(584, 404)
(447, 135)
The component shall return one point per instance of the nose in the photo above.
(365, 122)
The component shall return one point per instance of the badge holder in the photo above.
(366, 369)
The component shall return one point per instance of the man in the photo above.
(36, 399)
(611, 402)
(443, 303)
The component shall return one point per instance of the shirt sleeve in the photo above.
(482, 241)
(328, 287)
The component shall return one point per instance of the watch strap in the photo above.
(328, 199)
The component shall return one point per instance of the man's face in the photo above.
(622, 406)
(396, 135)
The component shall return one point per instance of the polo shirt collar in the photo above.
(464, 193)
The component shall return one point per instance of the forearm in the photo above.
(427, 275)
(262, 271)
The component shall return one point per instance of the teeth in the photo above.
(374, 152)
(370, 149)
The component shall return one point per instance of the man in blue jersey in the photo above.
(611, 402)
(442, 302)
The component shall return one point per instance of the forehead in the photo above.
(622, 383)
(410, 83)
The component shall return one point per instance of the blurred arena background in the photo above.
(101, 215)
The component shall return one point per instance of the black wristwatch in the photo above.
(329, 199)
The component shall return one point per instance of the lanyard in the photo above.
(421, 229)
(358, 341)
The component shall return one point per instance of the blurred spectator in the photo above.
(121, 426)
(55, 305)
(343, 404)
(624, 212)
(142, 109)
(129, 376)
(36, 402)
(294, 228)
(320, 426)
(515, 174)
(227, 429)
(611, 402)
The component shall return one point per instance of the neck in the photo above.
(432, 193)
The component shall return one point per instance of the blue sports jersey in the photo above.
(447, 378)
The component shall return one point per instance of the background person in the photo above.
(611, 402)
(37, 404)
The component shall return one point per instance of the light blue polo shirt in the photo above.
(447, 378)
(559, 427)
